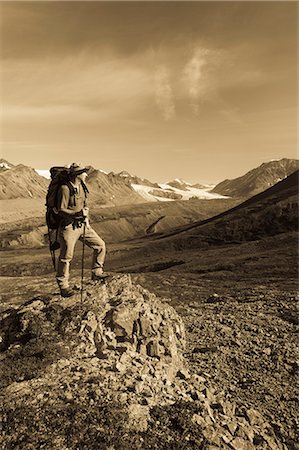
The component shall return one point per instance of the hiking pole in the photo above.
(82, 262)
(52, 251)
(53, 259)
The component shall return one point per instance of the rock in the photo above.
(122, 322)
(212, 435)
(197, 379)
(240, 444)
(226, 437)
(267, 351)
(210, 396)
(68, 396)
(255, 418)
(183, 374)
(208, 408)
(138, 417)
(199, 420)
(232, 427)
(270, 441)
(120, 367)
(248, 430)
(123, 398)
(152, 349)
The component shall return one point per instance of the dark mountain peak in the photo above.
(257, 179)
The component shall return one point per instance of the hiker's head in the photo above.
(78, 171)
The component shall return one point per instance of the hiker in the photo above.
(74, 226)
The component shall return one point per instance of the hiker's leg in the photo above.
(67, 239)
(93, 240)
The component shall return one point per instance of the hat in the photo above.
(77, 169)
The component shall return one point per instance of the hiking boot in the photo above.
(67, 292)
(99, 276)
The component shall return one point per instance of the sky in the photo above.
(201, 91)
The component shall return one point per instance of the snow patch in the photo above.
(191, 192)
(5, 165)
(144, 191)
(43, 173)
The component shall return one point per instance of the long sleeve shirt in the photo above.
(70, 205)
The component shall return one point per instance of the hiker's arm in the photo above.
(63, 202)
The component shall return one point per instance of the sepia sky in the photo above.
(196, 90)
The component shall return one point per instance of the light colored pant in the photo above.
(67, 238)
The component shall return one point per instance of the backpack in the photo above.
(59, 176)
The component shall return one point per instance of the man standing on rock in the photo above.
(74, 226)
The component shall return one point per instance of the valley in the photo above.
(23, 222)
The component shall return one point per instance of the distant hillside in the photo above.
(111, 189)
(21, 182)
(272, 212)
(258, 179)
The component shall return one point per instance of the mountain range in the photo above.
(111, 189)
(270, 213)
(106, 189)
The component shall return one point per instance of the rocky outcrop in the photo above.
(120, 327)
(118, 347)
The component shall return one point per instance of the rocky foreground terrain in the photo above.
(114, 369)
(190, 345)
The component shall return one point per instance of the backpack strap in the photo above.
(73, 192)
(85, 190)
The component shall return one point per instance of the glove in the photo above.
(79, 215)
(85, 211)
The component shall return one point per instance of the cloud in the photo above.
(195, 79)
(164, 93)
(77, 87)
